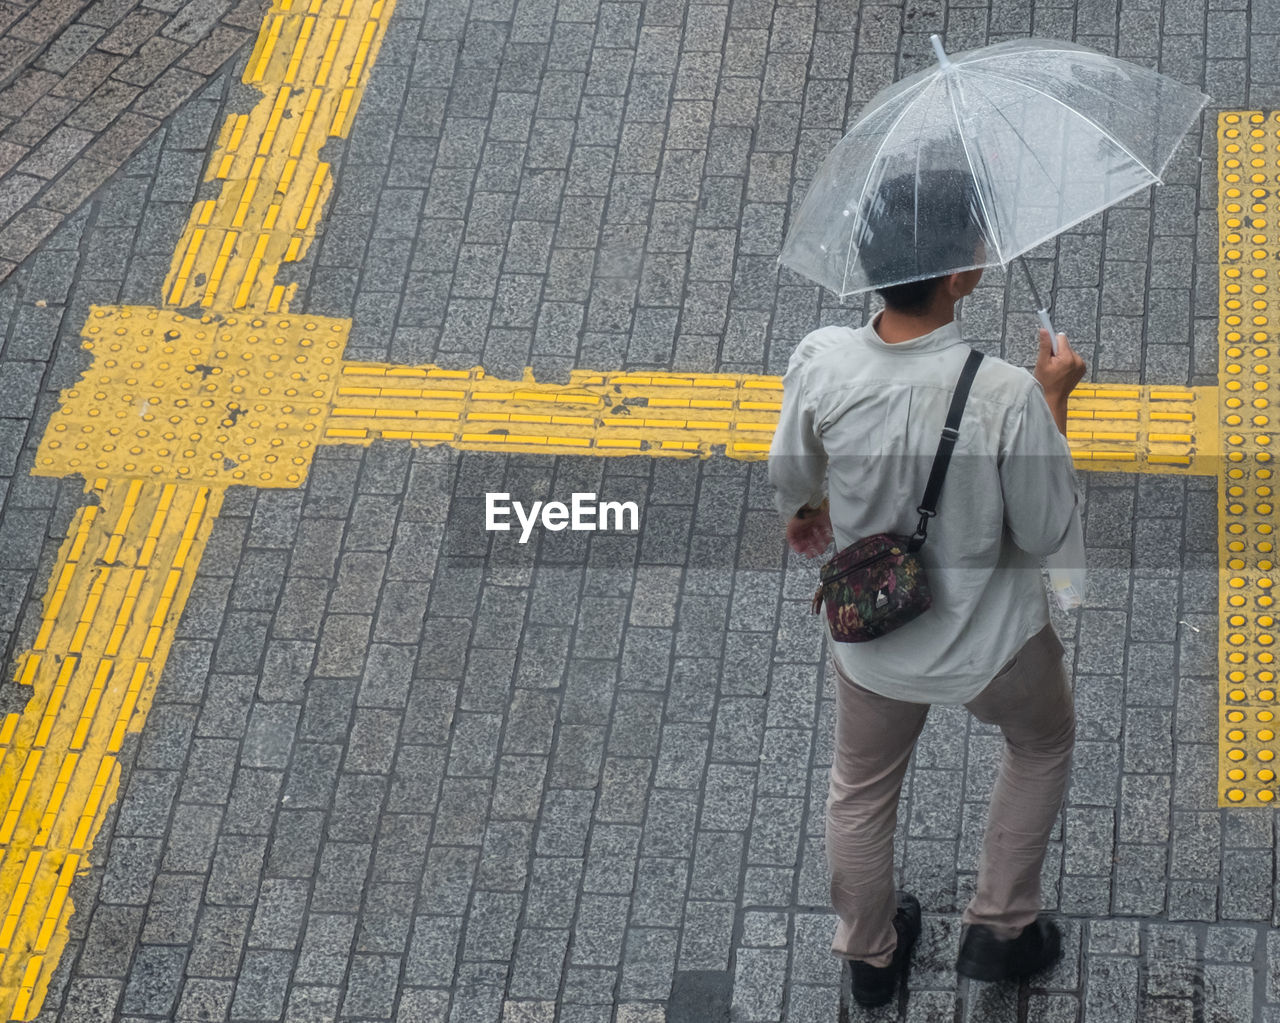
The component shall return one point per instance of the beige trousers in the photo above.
(1030, 701)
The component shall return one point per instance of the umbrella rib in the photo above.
(1034, 155)
(964, 144)
(1084, 117)
(1004, 117)
(867, 180)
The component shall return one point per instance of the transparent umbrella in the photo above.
(979, 159)
(982, 157)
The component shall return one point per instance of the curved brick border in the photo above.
(83, 85)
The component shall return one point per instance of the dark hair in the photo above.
(918, 224)
(912, 298)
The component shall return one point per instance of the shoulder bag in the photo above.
(878, 584)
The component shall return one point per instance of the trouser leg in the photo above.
(873, 742)
(1030, 701)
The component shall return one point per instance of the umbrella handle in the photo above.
(1047, 324)
(1043, 311)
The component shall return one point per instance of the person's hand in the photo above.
(809, 531)
(1058, 374)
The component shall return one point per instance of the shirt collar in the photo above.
(935, 341)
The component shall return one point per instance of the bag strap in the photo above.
(950, 433)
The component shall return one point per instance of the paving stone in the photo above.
(261, 987)
(372, 986)
(279, 915)
(510, 749)
(237, 866)
(659, 890)
(648, 963)
(205, 999)
(757, 995)
(154, 980)
(326, 946)
(220, 937)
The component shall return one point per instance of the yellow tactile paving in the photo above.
(1249, 361)
(1115, 428)
(235, 398)
(311, 60)
(125, 571)
(244, 398)
(173, 409)
(604, 413)
(176, 406)
(1144, 429)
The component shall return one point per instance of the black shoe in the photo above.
(876, 985)
(983, 956)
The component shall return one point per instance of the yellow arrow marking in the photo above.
(1249, 359)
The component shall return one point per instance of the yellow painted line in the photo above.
(19, 792)
(262, 52)
(1248, 361)
(299, 49)
(101, 793)
(65, 876)
(91, 700)
(25, 881)
(304, 130)
(55, 800)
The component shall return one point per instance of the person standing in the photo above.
(863, 409)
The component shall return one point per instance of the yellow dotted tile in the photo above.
(1246, 409)
(233, 399)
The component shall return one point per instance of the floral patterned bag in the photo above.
(878, 583)
(872, 587)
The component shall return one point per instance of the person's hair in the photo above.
(912, 298)
(914, 224)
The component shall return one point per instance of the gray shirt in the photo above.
(867, 415)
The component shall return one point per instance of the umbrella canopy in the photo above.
(982, 157)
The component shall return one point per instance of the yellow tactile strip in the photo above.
(311, 60)
(114, 599)
(1249, 358)
(1144, 429)
(172, 410)
(603, 413)
(244, 398)
(1117, 428)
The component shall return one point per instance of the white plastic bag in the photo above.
(1067, 576)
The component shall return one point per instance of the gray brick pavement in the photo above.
(398, 771)
(84, 85)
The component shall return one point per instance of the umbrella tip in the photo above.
(939, 52)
